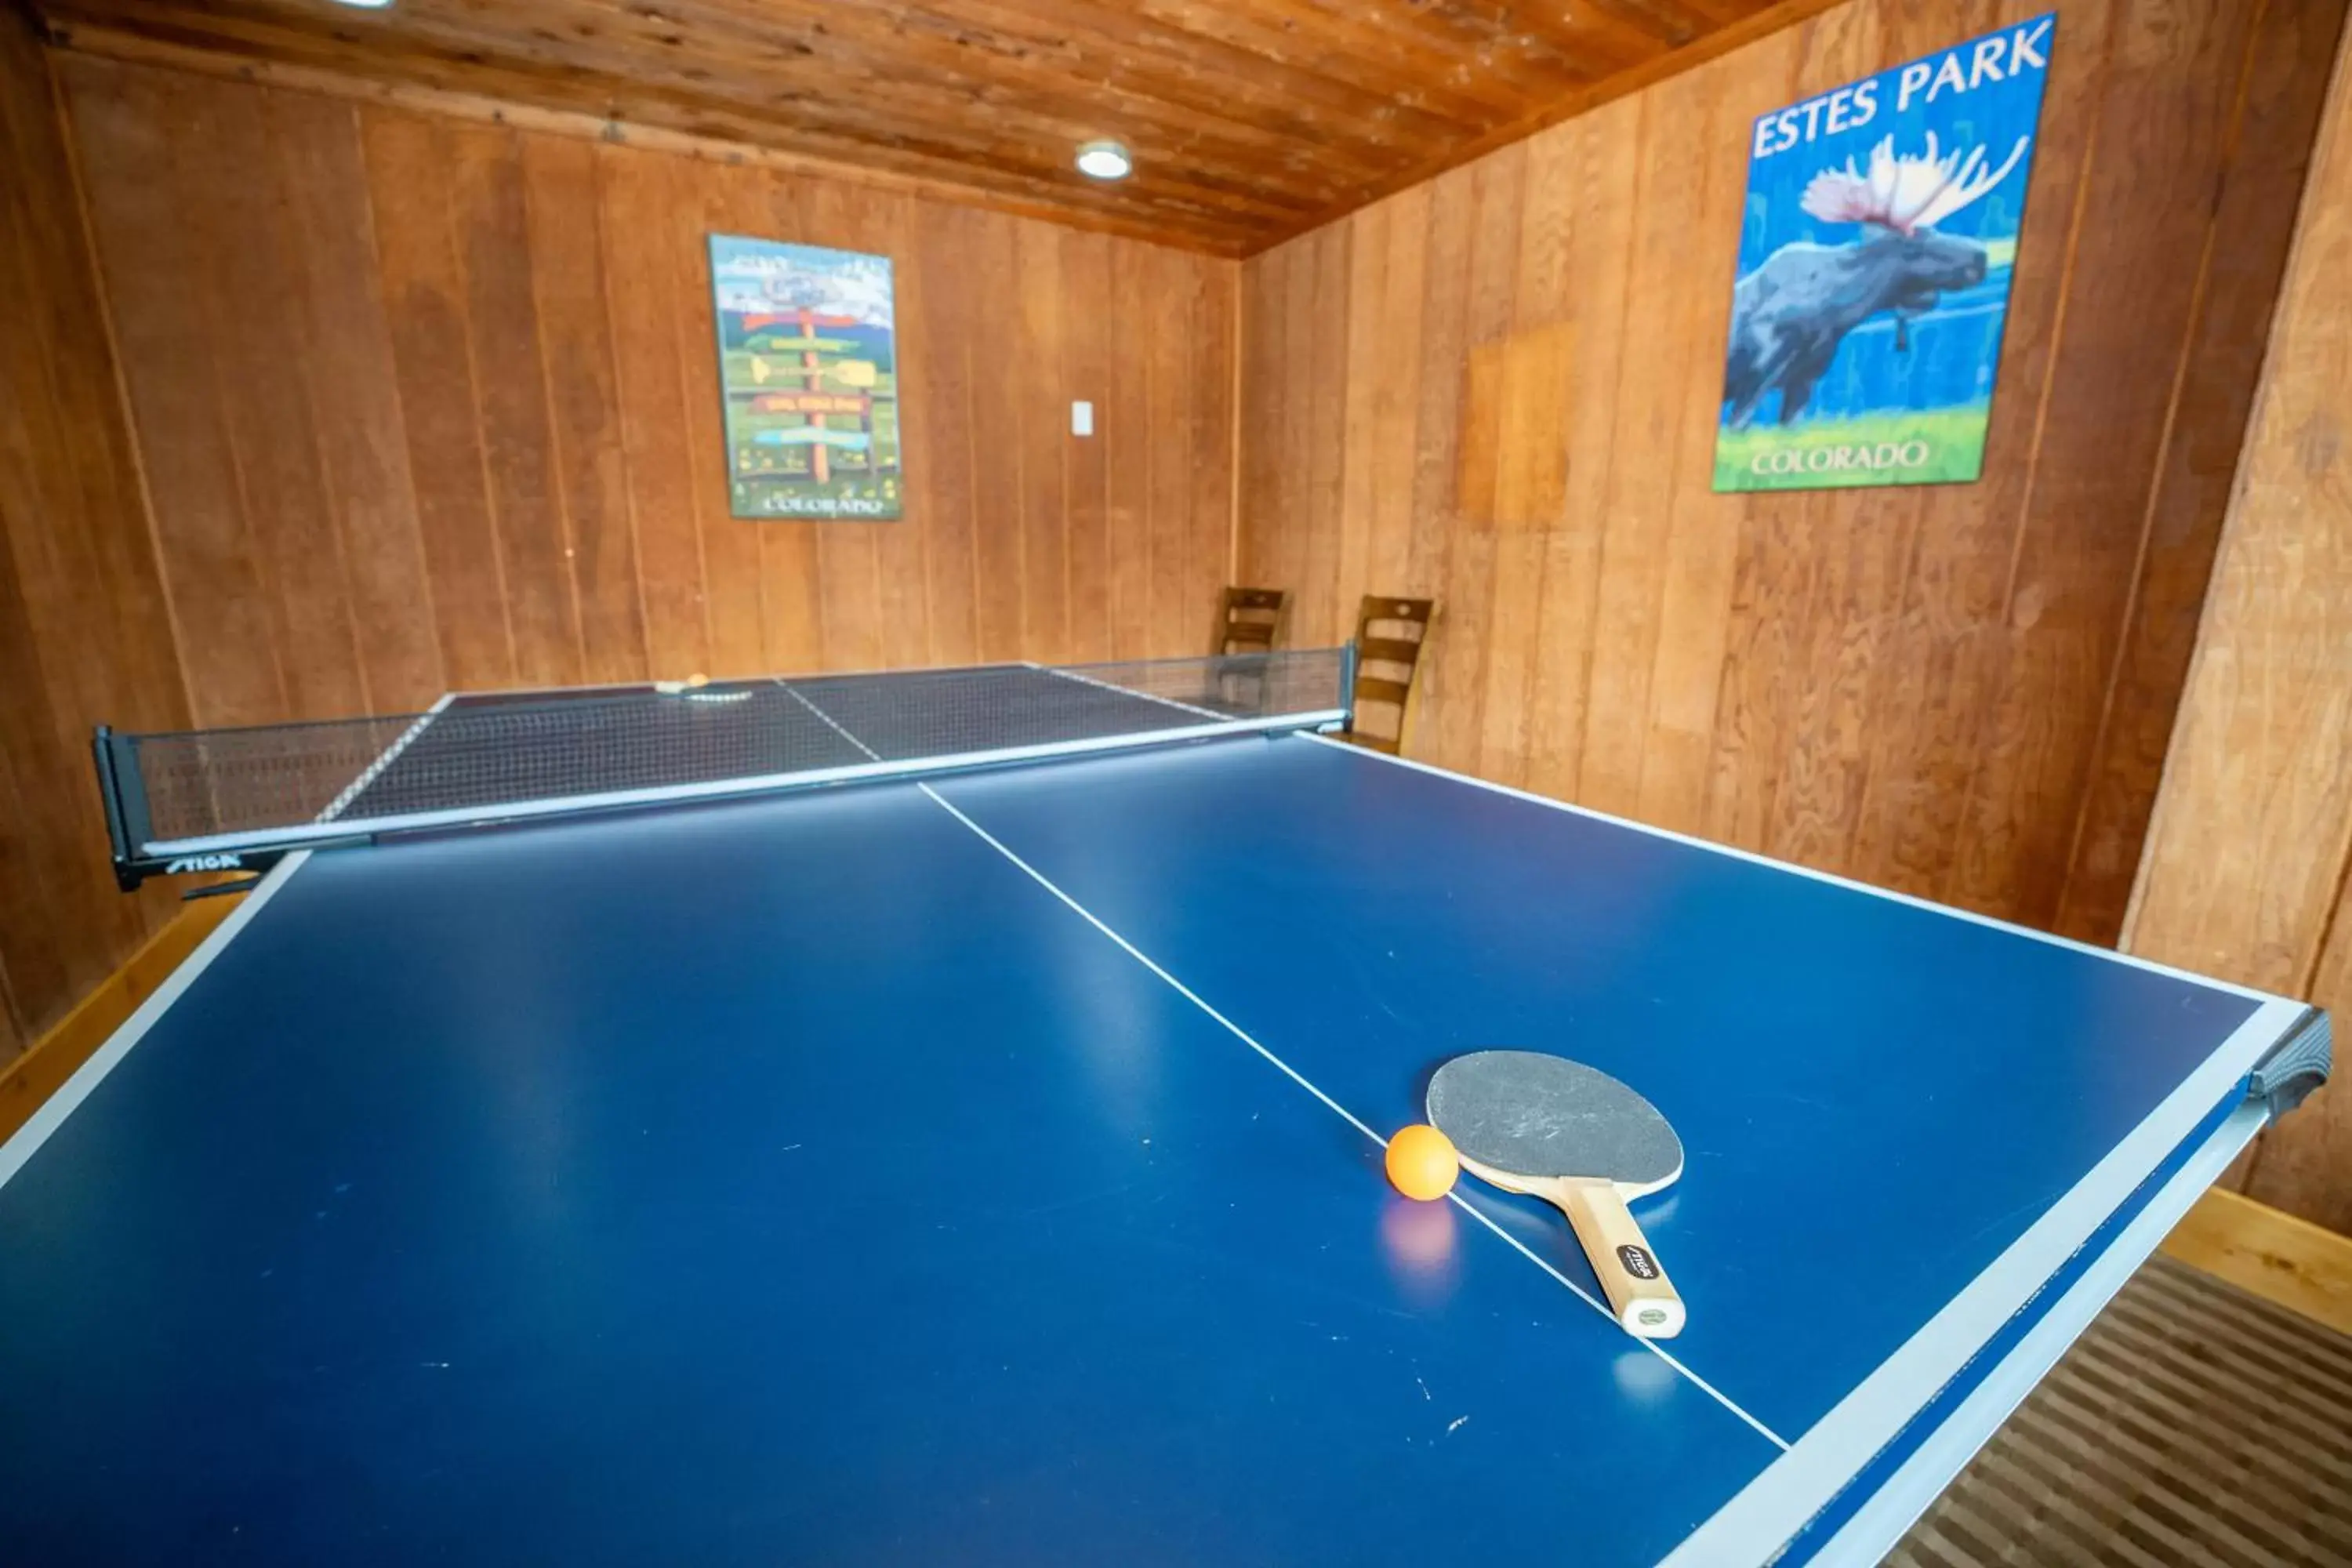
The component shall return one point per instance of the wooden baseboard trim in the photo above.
(2304, 1268)
(32, 1077)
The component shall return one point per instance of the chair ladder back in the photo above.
(1391, 633)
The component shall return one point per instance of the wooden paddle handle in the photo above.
(1635, 1283)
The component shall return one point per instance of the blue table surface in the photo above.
(798, 1180)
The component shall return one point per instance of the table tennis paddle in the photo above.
(1578, 1139)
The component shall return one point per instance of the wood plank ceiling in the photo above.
(1251, 121)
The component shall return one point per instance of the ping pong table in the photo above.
(946, 1132)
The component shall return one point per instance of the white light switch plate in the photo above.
(1082, 418)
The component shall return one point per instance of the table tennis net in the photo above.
(490, 757)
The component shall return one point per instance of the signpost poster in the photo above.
(808, 367)
(1874, 262)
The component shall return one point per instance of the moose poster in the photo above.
(809, 372)
(1882, 227)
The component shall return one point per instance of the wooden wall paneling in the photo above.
(1862, 551)
(1452, 674)
(2249, 842)
(901, 547)
(485, 185)
(69, 433)
(564, 215)
(536, 467)
(1176, 626)
(997, 491)
(32, 943)
(1209, 553)
(42, 968)
(356, 413)
(428, 404)
(248, 272)
(409, 161)
(1291, 430)
(845, 593)
(1533, 430)
(1650, 405)
(2245, 871)
(1042, 434)
(1757, 702)
(1328, 274)
(1921, 686)
(801, 563)
(1771, 582)
(1272, 442)
(1285, 436)
(86, 632)
(42, 962)
(1480, 412)
(942, 466)
(1703, 529)
(1860, 545)
(177, 392)
(1127, 449)
(31, 946)
(1086, 358)
(1600, 256)
(1437, 425)
(2159, 134)
(1358, 398)
(1261, 404)
(1391, 360)
(1193, 574)
(1950, 643)
(2278, 99)
(853, 550)
(654, 434)
(742, 560)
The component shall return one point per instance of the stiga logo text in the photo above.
(1638, 1263)
(203, 863)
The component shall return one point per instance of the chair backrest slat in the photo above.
(1390, 632)
(1249, 620)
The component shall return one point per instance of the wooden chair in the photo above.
(1389, 634)
(1250, 621)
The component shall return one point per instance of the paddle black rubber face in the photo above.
(1529, 1115)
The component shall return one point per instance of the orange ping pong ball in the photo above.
(1422, 1164)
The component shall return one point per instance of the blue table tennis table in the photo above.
(950, 1133)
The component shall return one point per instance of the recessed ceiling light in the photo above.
(1104, 161)
(365, 5)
